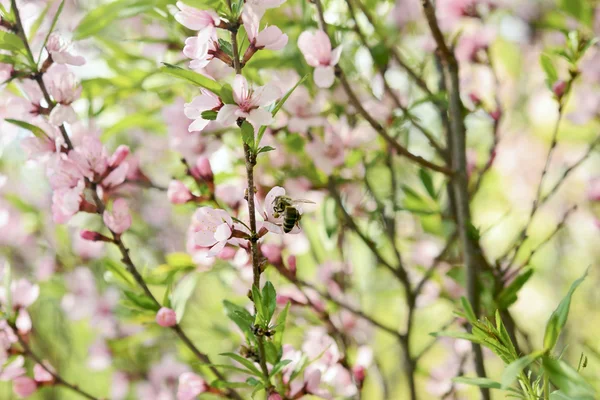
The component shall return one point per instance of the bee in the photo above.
(286, 206)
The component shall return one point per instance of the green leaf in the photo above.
(104, 15)
(209, 115)
(558, 319)
(279, 330)
(330, 220)
(581, 10)
(248, 134)
(279, 366)
(458, 335)
(567, 379)
(258, 303)
(226, 94)
(226, 47)
(558, 395)
(514, 369)
(37, 131)
(427, 182)
(141, 300)
(508, 295)
(39, 20)
(179, 260)
(548, 67)
(219, 384)
(278, 106)
(240, 316)
(11, 42)
(269, 298)
(265, 149)
(192, 77)
(227, 367)
(471, 317)
(246, 363)
(52, 25)
(380, 54)
(115, 272)
(182, 293)
(479, 382)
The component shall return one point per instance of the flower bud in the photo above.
(359, 373)
(203, 170)
(166, 317)
(559, 88)
(496, 114)
(24, 386)
(274, 396)
(474, 99)
(272, 253)
(292, 264)
(93, 236)
(178, 193)
(119, 155)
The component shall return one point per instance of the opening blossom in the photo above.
(190, 386)
(270, 222)
(271, 38)
(60, 51)
(195, 19)
(316, 48)
(205, 102)
(65, 89)
(248, 103)
(215, 228)
(119, 219)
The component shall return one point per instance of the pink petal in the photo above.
(324, 77)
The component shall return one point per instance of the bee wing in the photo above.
(299, 201)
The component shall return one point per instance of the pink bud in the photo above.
(93, 236)
(292, 264)
(24, 386)
(202, 170)
(178, 193)
(119, 155)
(274, 396)
(166, 317)
(272, 252)
(359, 373)
(496, 114)
(559, 88)
(474, 99)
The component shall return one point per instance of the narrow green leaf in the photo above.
(192, 77)
(548, 67)
(226, 47)
(11, 42)
(567, 379)
(558, 319)
(265, 149)
(52, 25)
(209, 115)
(280, 329)
(246, 363)
(427, 182)
(248, 134)
(39, 20)
(508, 295)
(182, 293)
(226, 94)
(479, 382)
(240, 316)
(469, 313)
(269, 298)
(37, 131)
(141, 301)
(279, 366)
(458, 335)
(514, 369)
(258, 303)
(219, 384)
(104, 15)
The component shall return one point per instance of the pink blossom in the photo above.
(64, 88)
(201, 48)
(60, 51)
(195, 19)
(24, 386)
(327, 153)
(207, 101)
(270, 38)
(274, 396)
(272, 223)
(316, 48)
(119, 219)
(118, 156)
(41, 374)
(13, 370)
(91, 157)
(593, 192)
(166, 317)
(190, 386)
(248, 103)
(272, 253)
(215, 228)
(178, 193)
(119, 386)
(305, 111)
(66, 202)
(203, 170)
(260, 6)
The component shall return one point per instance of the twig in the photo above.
(459, 183)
